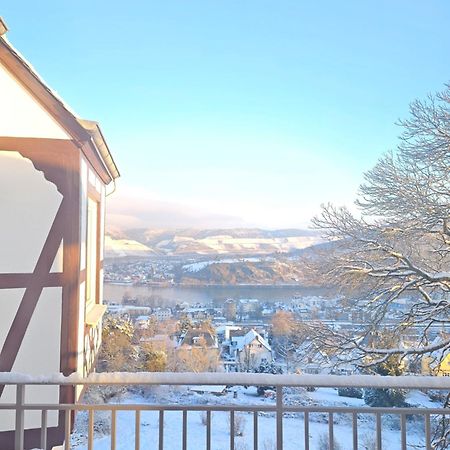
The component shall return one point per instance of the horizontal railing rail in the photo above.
(239, 378)
(225, 408)
(278, 410)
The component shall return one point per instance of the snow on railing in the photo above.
(217, 378)
(282, 413)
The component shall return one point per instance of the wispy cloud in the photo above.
(132, 207)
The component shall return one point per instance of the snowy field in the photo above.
(293, 425)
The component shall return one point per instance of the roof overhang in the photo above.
(93, 128)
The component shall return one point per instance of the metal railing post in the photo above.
(184, 445)
(279, 418)
(44, 429)
(427, 432)
(208, 430)
(403, 431)
(255, 430)
(20, 417)
(306, 423)
(379, 442)
(330, 431)
(113, 429)
(137, 430)
(91, 430)
(67, 428)
(161, 430)
(355, 430)
(232, 424)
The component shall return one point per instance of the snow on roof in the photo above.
(143, 318)
(35, 73)
(242, 341)
(223, 328)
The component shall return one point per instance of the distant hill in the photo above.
(236, 241)
(268, 271)
(115, 247)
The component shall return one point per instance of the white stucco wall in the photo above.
(254, 355)
(39, 353)
(28, 205)
(57, 266)
(21, 115)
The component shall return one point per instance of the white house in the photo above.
(250, 351)
(55, 173)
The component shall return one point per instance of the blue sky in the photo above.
(237, 112)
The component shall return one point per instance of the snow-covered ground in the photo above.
(293, 424)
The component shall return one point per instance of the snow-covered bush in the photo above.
(203, 418)
(239, 424)
(153, 360)
(240, 446)
(368, 442)
(102, 424)
(385, 397)
(438, 396)
(103, 394)
(324, 445)
(266, 367)
(269, 444)
(350, 392)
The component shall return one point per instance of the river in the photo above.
(171, 295)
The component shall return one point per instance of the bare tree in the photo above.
(284, 328)
(399, 244)
(196, 358)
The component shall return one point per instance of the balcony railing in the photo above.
(278, 412)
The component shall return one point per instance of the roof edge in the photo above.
(93, 128)
(80, 130)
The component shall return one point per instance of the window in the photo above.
(91, 254)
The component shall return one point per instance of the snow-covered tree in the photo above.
(398, 245)
(266, 367)
(284, 339)
(117, 352)
(385, 397)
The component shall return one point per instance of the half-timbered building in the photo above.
(55, 173)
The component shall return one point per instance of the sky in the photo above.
(225, 113)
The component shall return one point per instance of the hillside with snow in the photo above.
(125, 247)
(238, 241)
